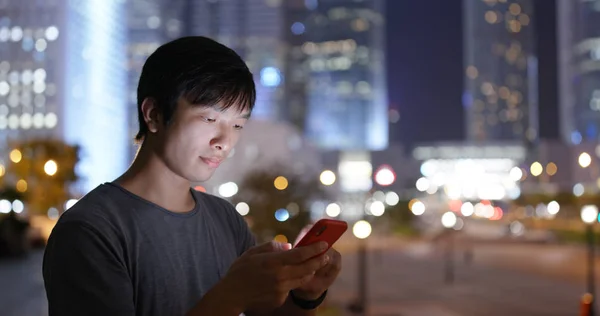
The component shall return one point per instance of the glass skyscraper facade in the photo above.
(579, 69)
(346, 105)
(500, 61)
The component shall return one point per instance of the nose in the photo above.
(221, 141)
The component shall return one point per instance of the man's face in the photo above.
(199, 138)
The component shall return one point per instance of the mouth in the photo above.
(212, 162)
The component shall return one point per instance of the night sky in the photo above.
(425, 69)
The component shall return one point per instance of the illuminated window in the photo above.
(52, 33)
(491, 17)
(41, 45)
(153, 22)
(524, 19)
(360, 25)
(472, 72)
(16, 34)
(51, 120)
(514, 8)
(514, 26)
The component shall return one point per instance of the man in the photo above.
(146, 244)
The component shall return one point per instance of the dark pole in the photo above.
(591, 277)
(362, 276)
(449, 269)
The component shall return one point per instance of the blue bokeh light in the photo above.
(270, 77)
(298, 28)
(282, 215)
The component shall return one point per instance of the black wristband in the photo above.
(304, 304)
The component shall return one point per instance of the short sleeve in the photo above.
(84, 273)
(245, 237)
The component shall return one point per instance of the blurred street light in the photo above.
(333, 210)
(16, 156)
(536, 169)
(377, 208)
(417, 208)
(242, 208)
(589, 215)
(361, 230)
(392, 198)
(327, 177)
(385, 175)
(228, 189)
(449, 219)
(50, 167)
(585, 160)
(280, 183)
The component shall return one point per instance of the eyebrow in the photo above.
(245, 116)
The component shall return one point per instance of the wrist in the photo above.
(307, 295)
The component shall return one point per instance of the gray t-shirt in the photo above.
(114, 253)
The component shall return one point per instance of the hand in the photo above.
(262, 277)
(323, 278)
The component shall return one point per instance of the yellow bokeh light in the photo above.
(281, 183)
(16, 156)
(2, 170)
(551, 169)
(21, 185)
(281, 239)
(50, 167)
(536, 169)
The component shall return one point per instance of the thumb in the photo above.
(281, 246)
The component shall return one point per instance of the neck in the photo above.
(149, 178)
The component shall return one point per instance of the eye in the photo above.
(209, 120)
(238, 127)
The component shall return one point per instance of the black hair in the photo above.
(198, 69)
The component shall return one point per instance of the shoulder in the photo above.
(96, 212)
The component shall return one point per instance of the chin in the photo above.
(200, 177)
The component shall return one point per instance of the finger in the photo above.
(334, 266)
(283, 246)
(299, 282)
(308, 267)
(301, 254)
(263, 248)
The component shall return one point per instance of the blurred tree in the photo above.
(398, 217)
(266, 192)
(42, 171)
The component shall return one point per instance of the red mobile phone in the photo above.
(328, 230)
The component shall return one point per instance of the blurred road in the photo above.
(406, 278)
(21, 286)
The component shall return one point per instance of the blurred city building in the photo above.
(150, 24)
(500, 59)
(61, 76)
(347, 104)
(579, 69)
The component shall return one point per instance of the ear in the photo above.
(151, 114)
